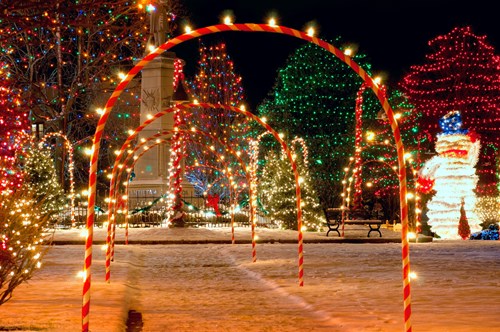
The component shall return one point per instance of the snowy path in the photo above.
(216, 287)
(208, 291)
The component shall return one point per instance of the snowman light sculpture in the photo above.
(452, 175)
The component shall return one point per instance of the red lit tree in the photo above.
(463, 224)
(13, 122)
(463, 74)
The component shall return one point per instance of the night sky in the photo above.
(393, 34)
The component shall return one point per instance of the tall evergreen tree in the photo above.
(314, 98)
(461, 74)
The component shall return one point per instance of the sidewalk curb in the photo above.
(260, 241)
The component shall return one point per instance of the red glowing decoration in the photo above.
(213, 201)
(425, 185)
(462, 74)
(463, 224)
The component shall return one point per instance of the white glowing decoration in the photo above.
(453, 171)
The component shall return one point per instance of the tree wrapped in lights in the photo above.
(488, 210)
(463, 224)
(277, 192)
(42, 180)
(378, 145)
(451, 174)
(463, 74)
(65, 56)
(313, 94)
(216, 83)
(13, 126)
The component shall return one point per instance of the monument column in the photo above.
(151, 170)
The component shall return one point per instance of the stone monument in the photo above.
(152, 170)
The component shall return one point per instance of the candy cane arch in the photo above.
(305, 151)
(117, 173)
(248, 27)
(71, 166)
(127, 142)
(358, 138)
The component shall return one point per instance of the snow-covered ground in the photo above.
(216, 287)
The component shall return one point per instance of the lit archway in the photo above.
(117, 174)
(249, 27)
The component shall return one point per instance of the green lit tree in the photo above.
(277, 193)
(314, 98)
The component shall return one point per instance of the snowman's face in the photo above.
(453, 145)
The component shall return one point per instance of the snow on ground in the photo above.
(216, 287)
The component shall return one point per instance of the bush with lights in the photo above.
(22, 238)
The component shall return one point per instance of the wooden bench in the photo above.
(334, 221)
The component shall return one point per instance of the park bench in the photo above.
(334, 221)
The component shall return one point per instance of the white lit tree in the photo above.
(277, 193)
(42, 180)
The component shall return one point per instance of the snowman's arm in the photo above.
(430, 167)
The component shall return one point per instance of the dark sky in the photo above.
(393, 34)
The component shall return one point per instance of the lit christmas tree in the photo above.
(379, 159)
(216, 83)
(13, 126)
(277, 192)
(462, 74)
(452, 175)
(314, 98)
(42, 181)
(463, 224)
